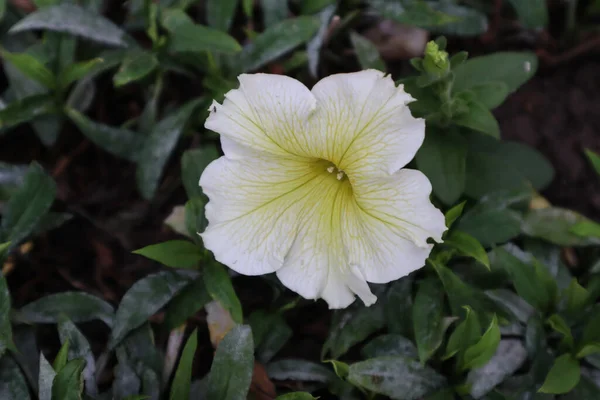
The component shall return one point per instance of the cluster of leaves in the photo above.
(495, 314)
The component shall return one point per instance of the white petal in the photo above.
(267, 113)
(366, 125)
(388, 240)
(253, 209)
(317, 263)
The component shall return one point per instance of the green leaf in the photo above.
(588, 350)
(274, 11)
(187, 37)
(509, 300)
(77, 71)
(577, 297)
(586, 389)
(180, 388)
(75, 20)
(479, 118)
(416, 13)
(533, 15)
(586, 229)
(527, 277)
(299, 370)
(467, 333)
(158, 146)
(509, 357)
(27, 110)
(454, 213)
(340, 368)
(594, 160)
(398, 306)
(511, 68)
(442, 157)
(563, 376)
(79, 348)
(142, 300)
(231, 372)
(461, 294)
(135, 66)
(352, 326)
(481, 352)
(6, 340)
(78, 306)
(45, 379)
(61, 358)
(468, 246)
(119, 142)
(220, 13)
(218, 284)
(465, 21)
(195, 220)
(277, 40)
(591, 330)
(389, 345)
(428, 321)
(296, 396)
(491, 222)
(367, 52)
(187, 302)
(529, 162)
(28, 205)
(270, 333)
(68, 383)
(193, 163)
(391, 376)
(174, 253)
(314, 46)
(555, 225)
(490, 94)
(30, 67)
(13, 385)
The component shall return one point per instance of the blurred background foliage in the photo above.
(107, 293)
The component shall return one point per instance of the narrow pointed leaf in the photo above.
(219, 287)
(277, 40)
(77, 306)
(119, 142)
(135, 66)
(68, 383)
(142, 300)
(13, 385)
(45, 379)
(28, 205)
(30, 67)
(27, 109)
(75, 20)
(188, 37)
(231, 372)
(79, 348)
(174, 253)
(158, 147)
(180, 388)
(220, 13)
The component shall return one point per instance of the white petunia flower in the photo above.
(311, 185)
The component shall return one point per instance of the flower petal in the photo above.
(254, 209)
(369, 127)
(267, 113)
(387, 236)
(317, 263)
